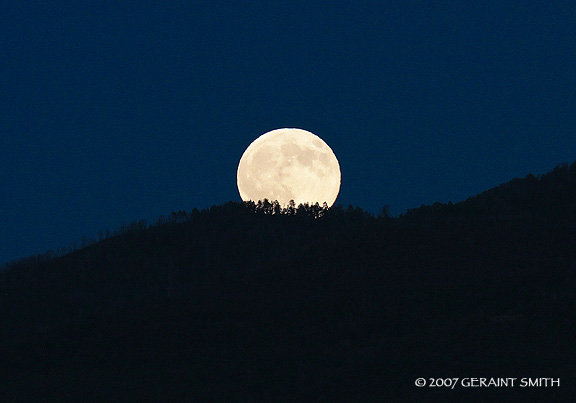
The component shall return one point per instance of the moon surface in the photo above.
(289, 164)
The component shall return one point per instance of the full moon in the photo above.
(289, 164)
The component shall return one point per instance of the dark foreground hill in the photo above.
(239, 303)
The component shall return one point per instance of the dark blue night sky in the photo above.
(113, 111)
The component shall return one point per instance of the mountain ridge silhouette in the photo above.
(241, 302)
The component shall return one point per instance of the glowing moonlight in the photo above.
(289, 164)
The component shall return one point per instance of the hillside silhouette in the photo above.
(252, 302)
